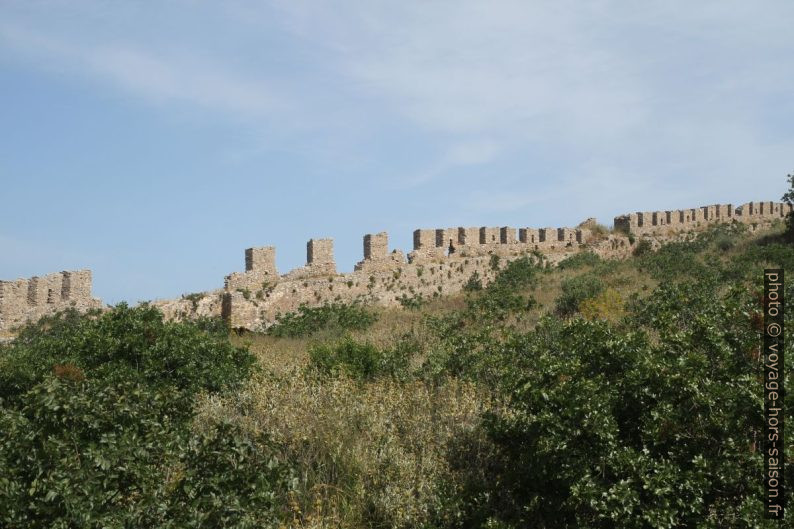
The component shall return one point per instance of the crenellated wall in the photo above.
(443, 259)
(25, 300)
(441, 262)
(661, 223)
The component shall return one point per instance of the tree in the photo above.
(788, 198)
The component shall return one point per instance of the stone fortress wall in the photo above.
(441, 262)
(666, 222)
(25, 300)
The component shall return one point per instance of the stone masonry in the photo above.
(660, 223)
(441, 262)
(26, 300)
(443, 259)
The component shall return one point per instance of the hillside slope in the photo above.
(596, 393)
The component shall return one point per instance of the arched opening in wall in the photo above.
(50, 296)
(450, 248)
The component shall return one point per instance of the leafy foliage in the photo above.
(506, 413)
(608, 305)
(575, 290)
(331, 316)
(474, 283)
(412, 302)
(503, 295)
(643, 247)
(788, 198)
(579, 260)
(605, 429)
(361, 361)
(96, 418)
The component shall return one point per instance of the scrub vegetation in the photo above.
(595, 394)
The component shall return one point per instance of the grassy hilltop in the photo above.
(593, 394)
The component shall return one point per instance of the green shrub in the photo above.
(575, 290)
(126, 344)
(724, 243)
(96, 416)
(331, 316)
(474, 283)
(361, 361)
(608, 305)
(227, 478)
(414, 302)
(579, 260)
(605, 428)
(503, 295)
(643, 247)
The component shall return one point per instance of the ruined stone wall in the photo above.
(441, 262)
(26, 300)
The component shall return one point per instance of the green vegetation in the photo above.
(576, 290)
(96, 414)
(413, 302)
(331, 316)
(579, 260)
(596, 394)
(788, 198)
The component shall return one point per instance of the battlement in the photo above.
(443, 259)
(320, 255)
(672, 221)
(24, 300)
(484, 240)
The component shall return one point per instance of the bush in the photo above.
(334, 316)
(474, 284)
(126, 344)
(643, 247)
(605, 428)
(608, 305)
(579, 260)
(96, 416)
(503, 295)
(412, 302)
(575, 290)
(724, 243)
(361, 361)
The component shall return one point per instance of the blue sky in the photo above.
(153, 141)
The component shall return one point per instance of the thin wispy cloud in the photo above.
(149, 75)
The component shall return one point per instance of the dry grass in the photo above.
(375, 451)
(366, 452)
